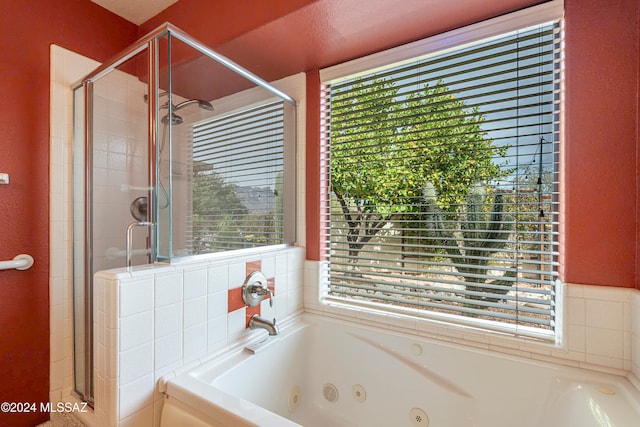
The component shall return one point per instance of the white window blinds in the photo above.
(238, 167)
(442, 183)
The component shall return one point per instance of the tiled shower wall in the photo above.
(120, 158)
(151, 321)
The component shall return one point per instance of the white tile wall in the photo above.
(120, 157)
(170, 316)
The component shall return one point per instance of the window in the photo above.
(443, 182)
(238, 180)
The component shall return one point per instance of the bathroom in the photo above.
(599, 242)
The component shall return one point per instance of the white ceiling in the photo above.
(136, 11)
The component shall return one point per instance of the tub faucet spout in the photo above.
(257, 322)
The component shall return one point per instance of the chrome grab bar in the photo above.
(115, 253)
(19, 262)
(130, 228)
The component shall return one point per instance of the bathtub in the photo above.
(322, 372)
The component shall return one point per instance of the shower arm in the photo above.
(205, 105)
(185, 103)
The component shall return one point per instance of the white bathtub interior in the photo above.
(325, 372)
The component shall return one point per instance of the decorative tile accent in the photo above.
(253, 266)
(235, 300)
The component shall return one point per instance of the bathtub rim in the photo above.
(195, 398)
(184, 383)
(251, 338)
(187, 384)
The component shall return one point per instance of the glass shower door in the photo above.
(111, 189)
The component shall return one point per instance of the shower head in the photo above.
(205, 105)
(175, 119)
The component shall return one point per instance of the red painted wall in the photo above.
(214, 22)
(601, 163)
(313, 129)
(27, 33)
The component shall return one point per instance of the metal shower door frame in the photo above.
(150, 42)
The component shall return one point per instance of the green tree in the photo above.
(216, 210)
(387, 144)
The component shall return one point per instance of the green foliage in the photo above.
(212, 196)
(386, 145)
(479, 231)
(216, 209)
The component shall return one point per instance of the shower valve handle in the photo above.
(255, 289)
(271, 300)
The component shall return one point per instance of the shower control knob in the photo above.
(255, 289)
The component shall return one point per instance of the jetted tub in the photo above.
(321, 372)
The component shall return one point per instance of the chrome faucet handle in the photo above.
(255, 289)
(271, 300)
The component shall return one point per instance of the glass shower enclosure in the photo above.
(133, 186)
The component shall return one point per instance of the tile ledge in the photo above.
(597, 292)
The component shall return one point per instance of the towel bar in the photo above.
(19, 262)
